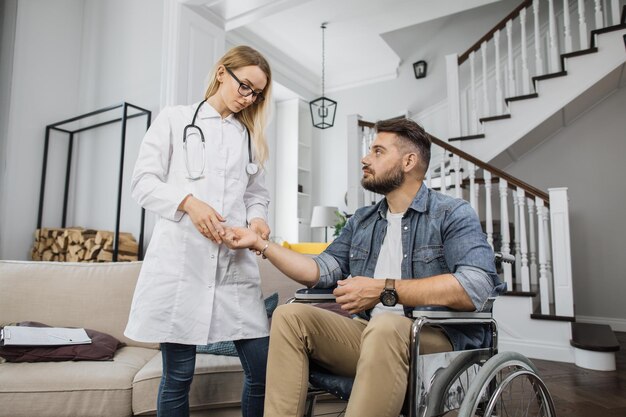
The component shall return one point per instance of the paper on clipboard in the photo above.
(43, 336)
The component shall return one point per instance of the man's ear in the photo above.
(410, 161)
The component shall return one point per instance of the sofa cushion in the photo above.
(67, 294)
(217, 382)
(101, 348)
(84, 388)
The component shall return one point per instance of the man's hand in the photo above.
(261, 228)
(242, 238)
(358, 294)
(204, 217)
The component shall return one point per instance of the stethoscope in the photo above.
(251, 167)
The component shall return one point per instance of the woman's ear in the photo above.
(219, 74)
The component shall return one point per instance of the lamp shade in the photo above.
(324, 216)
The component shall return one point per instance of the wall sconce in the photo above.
(419, 68)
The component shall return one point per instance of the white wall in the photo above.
(8, 15)
(46, 65)
(587, 156)
(71, 57)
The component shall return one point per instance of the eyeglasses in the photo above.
(245, 90)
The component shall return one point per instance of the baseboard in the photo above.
(617, 324)
(537, 350)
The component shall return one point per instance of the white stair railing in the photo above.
(506, 73)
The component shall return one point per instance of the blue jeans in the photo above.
(178, 367)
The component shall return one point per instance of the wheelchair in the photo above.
(479, 382)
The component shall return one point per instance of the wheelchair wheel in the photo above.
(450, 384)
(507, 385)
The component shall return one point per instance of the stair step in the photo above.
(579, 53)
(607, 30)
(492, 118)
(480, 136)
(537, 315)
(524, 97)
(595, 337)
(548, 76)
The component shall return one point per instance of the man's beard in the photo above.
(385, 184)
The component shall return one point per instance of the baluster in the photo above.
(472, 181)
(504, 232)
(516, 241)
(533, 242)
(511, 68)
(456, 163)
(546, 228)
(483, 54)
(499, 97)
(524, 270)
(554, 48)
(488, 214)
(538, 56)
(544, 291)
(442, 173)
(598, 10)
(473, 104)
(476, 196)
(525, 72)
(615, 16)
(582, 25)
(567, 31)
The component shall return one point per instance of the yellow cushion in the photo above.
(308, 248)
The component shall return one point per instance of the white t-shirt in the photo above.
(389, 264)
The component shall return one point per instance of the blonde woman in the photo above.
(200, 167)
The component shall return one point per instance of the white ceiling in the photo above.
(356, 53)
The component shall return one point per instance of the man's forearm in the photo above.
(441, 290)
(296, 266)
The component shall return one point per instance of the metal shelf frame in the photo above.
(72, 134)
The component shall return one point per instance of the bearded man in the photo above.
(413, 250)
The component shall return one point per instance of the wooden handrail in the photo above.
(463, 57)
(535, 192)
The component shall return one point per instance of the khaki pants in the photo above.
(376, 353)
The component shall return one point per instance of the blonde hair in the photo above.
(254, 117)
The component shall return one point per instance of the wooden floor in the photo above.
(579, 392)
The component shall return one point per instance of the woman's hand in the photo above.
(242, 238)
(261, 228)
(205, 218)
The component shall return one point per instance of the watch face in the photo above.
(388, 298)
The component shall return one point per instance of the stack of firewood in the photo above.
(76, 244)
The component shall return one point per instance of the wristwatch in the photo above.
(389, 296)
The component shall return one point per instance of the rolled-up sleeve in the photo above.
(334, 262)
(256, 197)
(149, 187)
(469, 256)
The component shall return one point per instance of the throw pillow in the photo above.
(101, 348)
(227, 348)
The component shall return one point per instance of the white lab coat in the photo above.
(191, 290)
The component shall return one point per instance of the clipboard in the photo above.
(42, 336)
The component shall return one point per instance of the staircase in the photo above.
(506, 112)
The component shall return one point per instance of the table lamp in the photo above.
(324, 216)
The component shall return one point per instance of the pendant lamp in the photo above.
(323, 109)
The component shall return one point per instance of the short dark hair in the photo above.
(410, 133)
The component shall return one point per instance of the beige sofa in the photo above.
(98, 296)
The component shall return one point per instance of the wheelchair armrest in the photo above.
(314, 295)
(436, 314)
(486, 314)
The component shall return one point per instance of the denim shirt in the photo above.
(440, 235)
